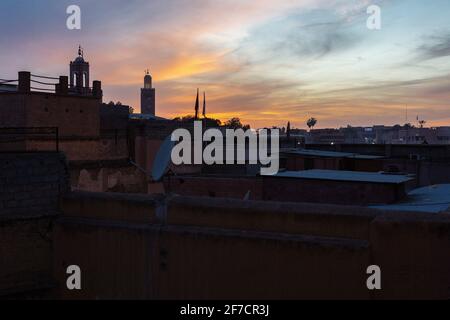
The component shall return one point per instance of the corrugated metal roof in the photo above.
(338, 175)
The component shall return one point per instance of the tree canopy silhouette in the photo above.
(311, 123)
(235, 123)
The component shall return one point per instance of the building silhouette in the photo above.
(148, 95)
(79, 74)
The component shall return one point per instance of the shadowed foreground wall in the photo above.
(133, 246)
(30, 186)
(285, 189)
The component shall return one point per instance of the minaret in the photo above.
(79, 74)
(148, 95)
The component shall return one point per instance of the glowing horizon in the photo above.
(266, 62)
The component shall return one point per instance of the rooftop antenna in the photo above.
(162, 161)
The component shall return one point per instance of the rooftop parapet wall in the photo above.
(134, 246)
(129, 208)
(26, 255)
(287, 189)
(414, 252)
(30, 187)
(291, 218)
(73, 115)
(31, 183)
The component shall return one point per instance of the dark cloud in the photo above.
(307, 35)
(382, 86)
(320, 39)
(435, 46)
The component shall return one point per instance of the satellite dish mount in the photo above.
(162, 162)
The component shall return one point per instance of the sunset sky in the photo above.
(266, 61)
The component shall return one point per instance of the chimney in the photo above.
(24, 81)
(63, 86)
(97, 89)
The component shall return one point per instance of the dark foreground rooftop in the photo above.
(432, 199)
(336, 175)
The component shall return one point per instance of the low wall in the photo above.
(136, 246)
(30, 187)
(284, 189)
(26, 256)
(30, 183)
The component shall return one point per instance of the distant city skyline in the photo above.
(267, 62)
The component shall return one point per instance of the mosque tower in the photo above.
(79, 74)
(148, 95)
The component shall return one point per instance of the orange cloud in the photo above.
(188, 66)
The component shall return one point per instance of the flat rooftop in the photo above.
(328, 154)
(354, 176)
(432, 199)
(140, 116)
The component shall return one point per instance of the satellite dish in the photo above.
(162, 159)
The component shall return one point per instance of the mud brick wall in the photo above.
(142, 247)
(30, 187)
(31, 182)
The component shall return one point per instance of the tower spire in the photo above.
(148, 95)
(79, 73)
(204, 104)
(197, 106)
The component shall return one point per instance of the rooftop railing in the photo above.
(28, 82)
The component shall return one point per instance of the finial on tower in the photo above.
(80, 51)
